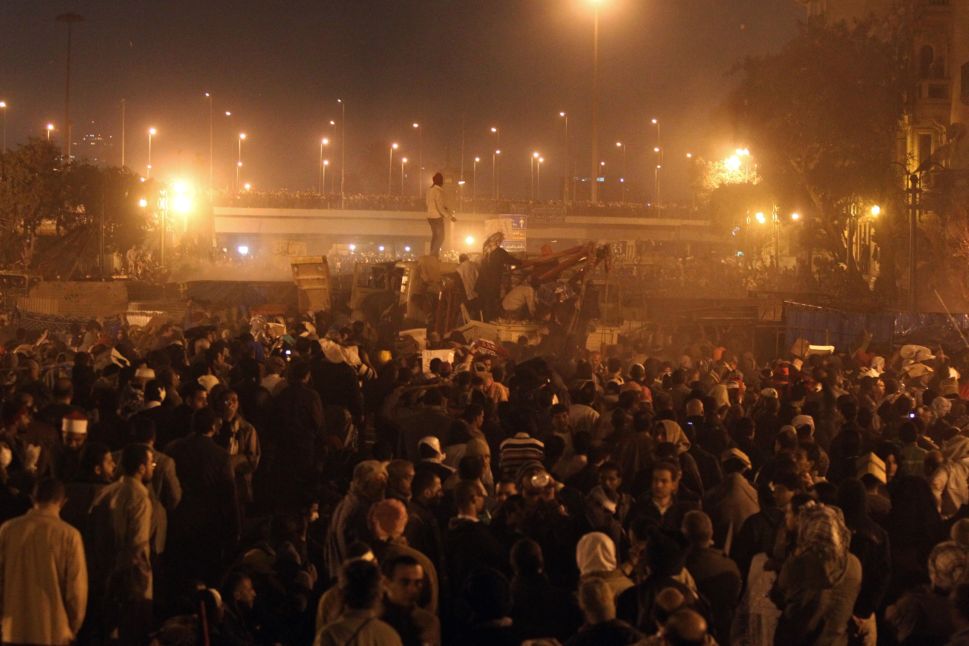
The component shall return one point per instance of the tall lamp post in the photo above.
(494, 161)
(326, 162)
(532, 160)
(594, 189)
(420, 159)
(567, 161)
(49, 128)
(242, 137)
(343, 150)
(474, 180)
(538, 178)
(658, 149)
(3, 116)
(390, 169)
(151, 133)
(403, 162)
(69, 19)
(322, 185)
(622, 180)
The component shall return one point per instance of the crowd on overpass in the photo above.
(360, 201)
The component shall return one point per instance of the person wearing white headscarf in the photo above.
(595, 555)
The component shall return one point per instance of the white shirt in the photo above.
(436, 206)
(519, 297)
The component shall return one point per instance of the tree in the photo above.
(823, 115)
(57, 211)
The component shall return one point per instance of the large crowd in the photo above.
(317, 482)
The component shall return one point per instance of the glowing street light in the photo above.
(242, 137)
(567, 157)
(390, 168)
(469, 240)
(495, 180)
(538, 177)
(733, 163)
(325, 141)
(403, 162)
(474, 180)
(49, 128)
(326, 163)
(875, 210)
(795, 216)
(143, 203)
(151, 133)
(3, 115)
(760, 217)
(622, 179)
(247, 186)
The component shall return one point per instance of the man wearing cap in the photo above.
(432, 458)
(67, 455)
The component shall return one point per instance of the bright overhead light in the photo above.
(469, 240)
(353, 247)
(760, 217)
(795, 216)
(243, 250)
(876, 210)
(380, 248)
(152, 131)
(142, 202)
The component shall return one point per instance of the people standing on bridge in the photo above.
(437, 210)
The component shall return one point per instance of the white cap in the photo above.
(74, 423)
(432, 442)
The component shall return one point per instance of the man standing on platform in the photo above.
(437, 210)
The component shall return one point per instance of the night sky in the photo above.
(280, 66)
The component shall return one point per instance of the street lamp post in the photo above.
(494, 165)
(567, 161)
(474, 180)
(49, 128)
(494, 162)
(420, 159)
(622, 180)
(151, 133)
(538, 178)
(390, 169)
(326, 162)
(594, 189)
(242, 137)
(532, 160)
(322, 185)
(3, 115)
(658, 149)
(343, 150)
(403, 162)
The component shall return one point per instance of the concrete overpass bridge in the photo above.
(319, 229)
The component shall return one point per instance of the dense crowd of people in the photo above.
(214, 485)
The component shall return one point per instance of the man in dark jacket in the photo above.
(205, 525)
(538, 608)
(717, 577)
(469, 544)
(296, 433)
